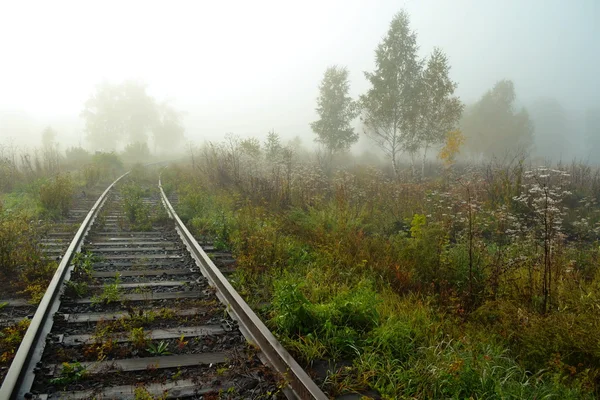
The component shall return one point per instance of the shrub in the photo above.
(56, 196)
(77, 156)
(108, 163)
(429, 294)
(18, 245)
(427, 253)
(137, 212)
(91, 175)
(136, 152)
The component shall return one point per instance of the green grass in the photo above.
(22, 202)
(110, 293)
(389, 280)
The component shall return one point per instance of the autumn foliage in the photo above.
(452, 146)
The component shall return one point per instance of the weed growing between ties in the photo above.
(139, 214)
(482, 285)
(158, 349)
(81, 276)
(141, 393)
(70, 373)
(135, 326)
(110, 293)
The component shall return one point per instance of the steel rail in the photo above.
(20, 375)
(252, 327)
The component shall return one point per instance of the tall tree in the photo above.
(139, 111)
(103, 123)
(493, 127)
(440, 110)
(273, 146)
(336, 110)
(119, 113)
(390, 107)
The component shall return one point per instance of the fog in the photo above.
(251, 66)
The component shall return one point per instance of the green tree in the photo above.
(250, 154)
(493, 127)
(273, 146)
(103, 118)
(439, 109)
(139, 111)
(251, 148)
(390, 106)
(336, 110)
(117, 113)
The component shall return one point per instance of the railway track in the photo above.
(16, 308)
(138, 309)
(58, 235)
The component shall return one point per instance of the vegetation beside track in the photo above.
(480, 286)
(10, 338)
(138, 215)
(34, 195)
(48, 194)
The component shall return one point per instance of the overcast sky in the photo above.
(249, 66)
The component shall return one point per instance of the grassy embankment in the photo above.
(486, 286)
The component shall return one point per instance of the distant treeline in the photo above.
(411, 108)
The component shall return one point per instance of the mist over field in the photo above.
(406, 193)
(251, 67)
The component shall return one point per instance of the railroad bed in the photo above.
(147, 313)
(56, 237)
